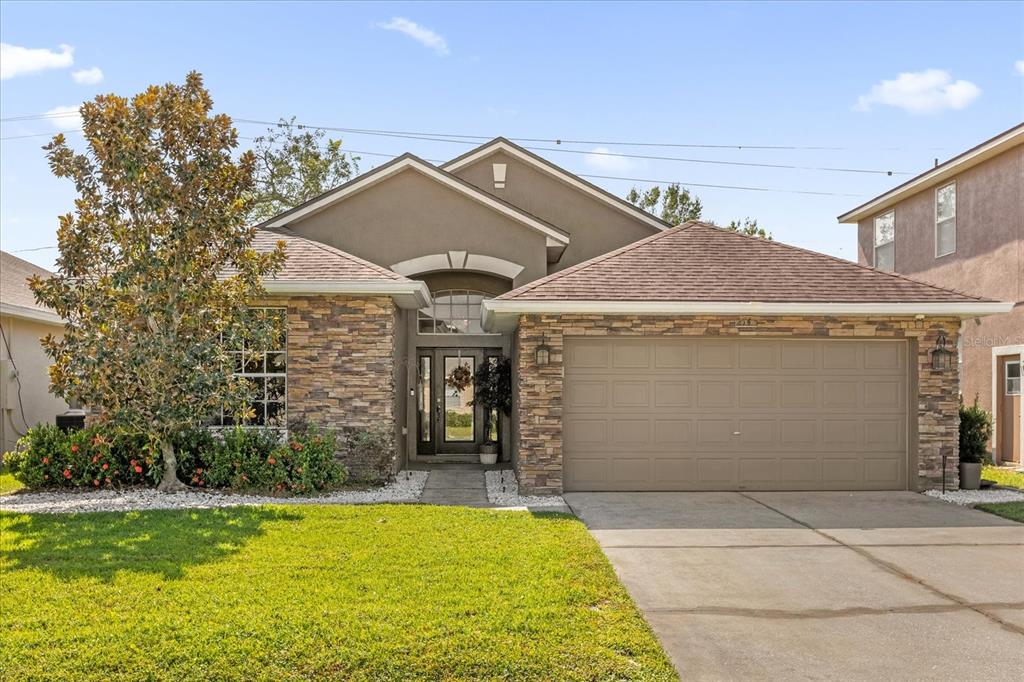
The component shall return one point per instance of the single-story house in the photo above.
(25, 398)
(644, 356)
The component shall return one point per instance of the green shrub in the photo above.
(256, 459)
(240, 458)
(370, 453)
(975, 433)
(48, 457)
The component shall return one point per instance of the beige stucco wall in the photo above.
(989, 257)
(934, 419)
(32, 364)
(410, 215)
(594, 226)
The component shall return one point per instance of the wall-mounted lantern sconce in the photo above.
(942, 357)
(543, 352)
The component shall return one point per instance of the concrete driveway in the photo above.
(874, 586)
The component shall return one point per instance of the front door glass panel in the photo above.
(459, 415)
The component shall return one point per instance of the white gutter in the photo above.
(27, 313)
(408, 294)
(503, 315)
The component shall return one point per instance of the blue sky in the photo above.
(779, 74)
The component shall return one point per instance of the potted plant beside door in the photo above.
(975, 432)
(492, 390)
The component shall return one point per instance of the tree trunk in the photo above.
(169, 481)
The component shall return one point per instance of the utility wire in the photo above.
(471, 140)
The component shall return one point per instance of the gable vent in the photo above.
(499, 175)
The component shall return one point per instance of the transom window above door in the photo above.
(453, 311)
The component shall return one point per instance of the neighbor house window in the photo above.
(265, 370)
(945, 220)
(453, 311)
(885, 232)
(1013, 378)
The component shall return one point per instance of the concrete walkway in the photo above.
(852, 586)
(461, 486)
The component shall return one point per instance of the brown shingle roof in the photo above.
(699, 262)
(14, 274)
(308, 260)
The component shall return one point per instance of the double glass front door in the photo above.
(447, 422)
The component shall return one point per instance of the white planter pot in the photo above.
(488, 454)
(970, 475)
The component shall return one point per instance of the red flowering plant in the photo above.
(50, 457)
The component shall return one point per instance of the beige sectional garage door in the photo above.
(707, 414)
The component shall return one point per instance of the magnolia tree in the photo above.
(156, 266)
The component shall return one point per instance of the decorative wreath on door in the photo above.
(460, 378)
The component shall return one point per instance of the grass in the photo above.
(1008, 510)
(7, 482)
(1005, 477)
(312, 592)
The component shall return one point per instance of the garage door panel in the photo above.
(583, 354)
(631, 356)
(631, 394)
(715, 394)
(673, 393)
(840, 356)
(714, 431)
(586, 394)
(713, 355)
(796, 355)
(735, 414)
(839, 394)
(631, 432)
(582, 431)
(798, 394)
(758, 355)
(884, 395)
(757, 394)
(754, 471)
(884, 355)
(669, 355)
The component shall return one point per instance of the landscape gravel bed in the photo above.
(407, 487)
(503, 490)
(969, 498)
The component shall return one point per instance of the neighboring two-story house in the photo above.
(961, 225)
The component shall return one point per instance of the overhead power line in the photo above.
(474, 139)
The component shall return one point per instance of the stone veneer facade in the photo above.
(539, 441)
(341, 355)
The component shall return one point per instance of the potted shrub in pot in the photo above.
(975, 432)
(493, 391)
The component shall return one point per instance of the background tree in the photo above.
(156, 265)
(676, 205)
(749, 227)
(294, 164)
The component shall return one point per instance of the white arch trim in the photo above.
(458, 260)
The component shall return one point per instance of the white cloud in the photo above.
(65, 118)
(921, 92)
(1019, 65)
(421, 34)
(88, 76)
(602, 159)
(20, 61)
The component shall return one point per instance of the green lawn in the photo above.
(311, 592)
(7, 482)
(1007, 477)
(1008, 510)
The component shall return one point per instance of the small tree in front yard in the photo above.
(156, 266)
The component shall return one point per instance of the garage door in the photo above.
(681, 414)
